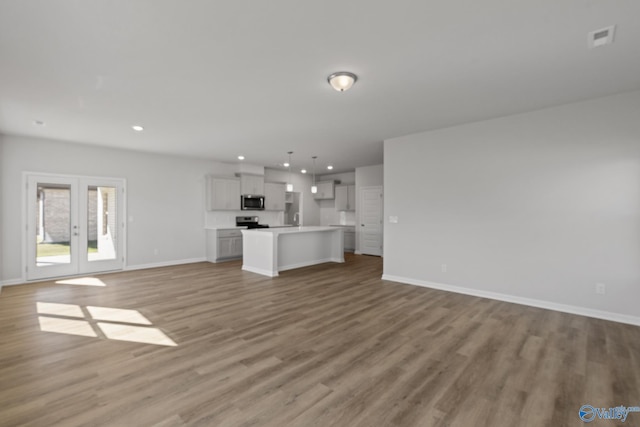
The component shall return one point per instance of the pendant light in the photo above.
(314, 187)
(289, 182)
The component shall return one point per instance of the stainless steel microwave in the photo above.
(249, 202)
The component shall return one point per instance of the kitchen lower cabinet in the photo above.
(224, 244)
(349, 241)
(349, 237)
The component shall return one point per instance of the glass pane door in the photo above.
(53, 224)
(51, 228)
(74, 226)
(102, 243)
(102, 237)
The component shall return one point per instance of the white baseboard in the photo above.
(571, 309)
(268, 273)
(11, 282)
(127, 268)
(164, 264)
(309, 263)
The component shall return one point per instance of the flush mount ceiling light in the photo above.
(330, 167)
(303, 171)
(240, 157)
(342, 80)
(137, 128)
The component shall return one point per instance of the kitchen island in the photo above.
(268, 251)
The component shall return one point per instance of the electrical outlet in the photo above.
(601, 289)
(444, 268)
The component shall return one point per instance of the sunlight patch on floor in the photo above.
(57, 309)
(84, 281)
(118, 315)
(66, 326)
(132, 333)
(100, 322)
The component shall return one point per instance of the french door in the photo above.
(75, 225)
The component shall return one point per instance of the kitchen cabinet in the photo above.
(345, 197)
(252, 184)
(224, 244)
(349, 240)
(223, 194)
(349, 237)
(274, 196)
(325, 190)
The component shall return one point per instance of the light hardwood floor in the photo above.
(328, 345)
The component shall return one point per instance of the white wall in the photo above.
(370, 176)
(165, 197)
(366, 176)
(536, 207)
(2, 184)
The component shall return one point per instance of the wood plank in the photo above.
(331, 344)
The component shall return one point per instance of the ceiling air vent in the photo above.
(601, 37)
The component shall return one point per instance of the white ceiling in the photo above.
(216, 79)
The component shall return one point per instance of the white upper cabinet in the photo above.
(223, 194)
(274, 196)
(252, 184)
(345, 197)
(325, 190)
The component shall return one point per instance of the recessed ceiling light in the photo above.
(285, 164)
(329, 167)
(303, 171)
(137, 128)
(38, 122)
(240, 157)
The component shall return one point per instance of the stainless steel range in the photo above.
(249, 222)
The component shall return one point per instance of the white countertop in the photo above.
(283, 230)
(353, 227)
(244, 227)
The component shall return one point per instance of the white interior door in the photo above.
(371, 221)
(74, 225)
